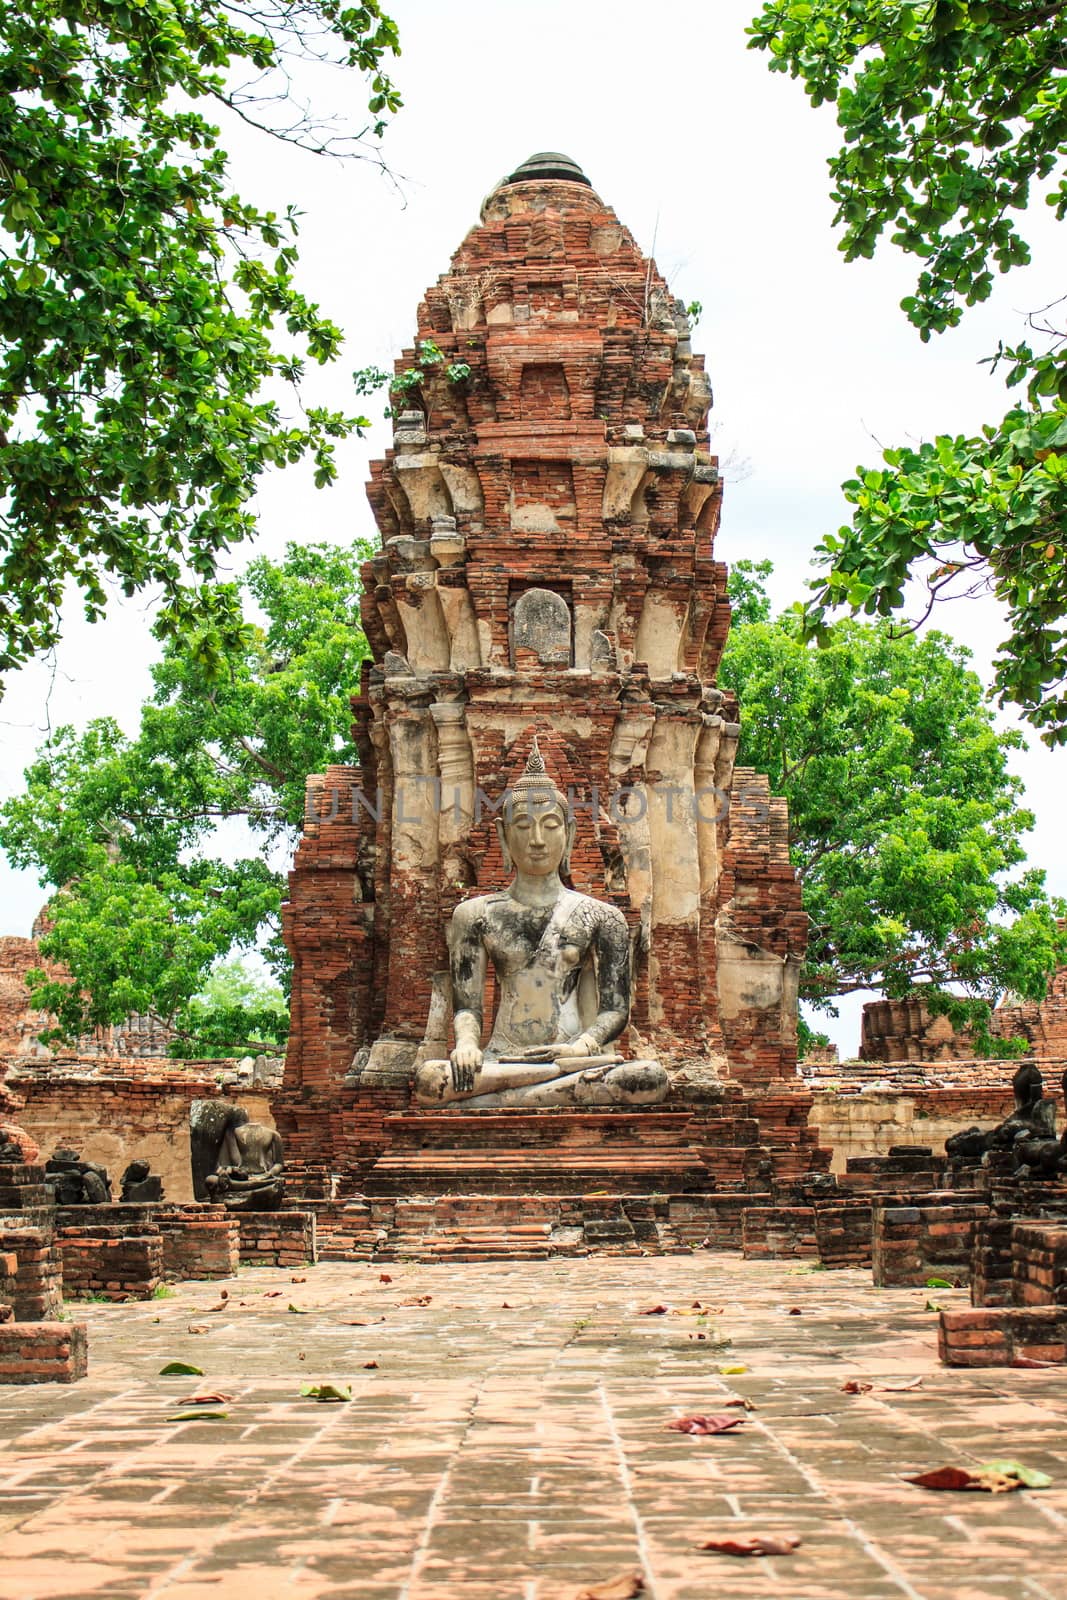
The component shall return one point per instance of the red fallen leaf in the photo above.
(271, 1294)
(296, 1279)
(353, 1323)
(960, 1478)
(757, 1545)
(740, 1402)
(301, 1356)
(623, 1588)
(704, 1425)
(856, 1386)
(368, 1366)
(1028, 1361)
(205, 1400)
(654, 1311)
(795, 1311)
(505, 1306)
(383, 1277)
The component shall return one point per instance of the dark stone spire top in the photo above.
(548, 165)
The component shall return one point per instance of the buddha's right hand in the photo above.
(466, 1059)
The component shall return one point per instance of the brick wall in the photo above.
(933, 1238)
(43, 1352)
(113, 1262)
(35, 1291)
(277, 1238)
(112, 1116)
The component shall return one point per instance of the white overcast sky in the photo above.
(696, 145)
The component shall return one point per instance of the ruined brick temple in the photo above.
(547, 518)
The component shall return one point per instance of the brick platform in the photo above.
(43, 1352)
(277, 1238)
(778, 1231)
(1001, 1335)
(933, 1238)
(1039, 1263)
(199, 1241)
(116, 1262)
(35, 1289)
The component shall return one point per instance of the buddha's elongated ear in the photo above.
(572, 829)
(504, 851)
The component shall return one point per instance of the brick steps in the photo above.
(549, 1171)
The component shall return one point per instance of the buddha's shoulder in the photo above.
(596, 913)
(477, 908)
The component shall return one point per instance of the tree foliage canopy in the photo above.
(147, 898)
(954, 119)
(906, 822)
(149, 316)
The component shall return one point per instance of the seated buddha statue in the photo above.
(562, 965)
(250, 1167)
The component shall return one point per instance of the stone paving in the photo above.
(507, 1441)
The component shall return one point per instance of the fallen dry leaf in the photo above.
(302, 1278)
(622, 1588)
(961, 1478)
(271, 1294)
(856, 1386)
(199, 1327)
(740, 1402)
(758, 1544)
(368, 1366)
(205, 1400)
(1028, 1361)
(416, 1300)
(353, 1322)
(794, 1311)
(332, 1392)
(654, 1311)
(704, 1425)
(505, 1306)
(383, 1277)
(222, 1306)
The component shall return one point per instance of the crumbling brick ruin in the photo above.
(547, 517)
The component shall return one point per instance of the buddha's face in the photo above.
(536, 837)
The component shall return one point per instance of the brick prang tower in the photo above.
(547, 519)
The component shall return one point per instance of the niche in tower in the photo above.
(542, 496)
(540, 624)
(543, 393)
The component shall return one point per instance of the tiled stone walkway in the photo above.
(510, 1443)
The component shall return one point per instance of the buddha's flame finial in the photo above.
(535, 763)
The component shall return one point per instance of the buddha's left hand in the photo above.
(584, 1045)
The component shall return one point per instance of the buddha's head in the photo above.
(536, 831)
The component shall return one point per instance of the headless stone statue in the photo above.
(562, 964)
(1033, 1118)
(235, 1161)
(1043, 1155)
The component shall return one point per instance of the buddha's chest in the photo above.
(535, 942)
